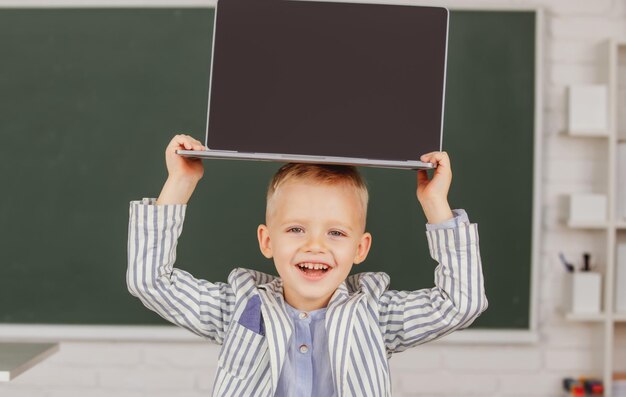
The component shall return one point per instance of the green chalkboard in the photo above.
(89, 98)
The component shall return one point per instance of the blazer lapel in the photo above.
(278, 327)
(339, 323)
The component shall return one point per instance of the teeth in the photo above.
(313, 265)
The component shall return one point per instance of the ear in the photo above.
(263, 234)
(363, 249)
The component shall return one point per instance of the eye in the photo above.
(295, 229)
(336, 233)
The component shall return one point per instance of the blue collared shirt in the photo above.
(306, 372)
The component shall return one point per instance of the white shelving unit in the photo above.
(615, 229)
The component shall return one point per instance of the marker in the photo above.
(568, 266)
(587, 265)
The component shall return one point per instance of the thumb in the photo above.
(422, 177)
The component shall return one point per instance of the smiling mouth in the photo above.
(313, 270)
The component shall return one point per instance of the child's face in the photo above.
(313, 222)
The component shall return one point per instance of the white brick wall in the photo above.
(574, 28)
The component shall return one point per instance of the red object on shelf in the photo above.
(578, 391)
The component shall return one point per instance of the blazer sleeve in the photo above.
(200, 306)
(409, 318)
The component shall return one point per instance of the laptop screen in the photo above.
(327, 79)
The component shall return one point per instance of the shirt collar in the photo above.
(314, 315)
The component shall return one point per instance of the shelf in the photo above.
(588, 224)
(613, 53)
(621, 225)
(587, 134)
(594, 317)
(587, 317)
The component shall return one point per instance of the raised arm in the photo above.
(200, 306)
(409, 318)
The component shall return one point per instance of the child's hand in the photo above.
(433, 193)
(184, 172)
(436, 188)
(180, 167)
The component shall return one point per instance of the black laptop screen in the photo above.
(330, 79)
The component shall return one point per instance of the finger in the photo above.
(428, 157)
(422, 177)
(183, 137)
(192, 139)
(441, 160)
(192, 144)
(435, 153)
(438, 158)
(183, 141)
(427, 154)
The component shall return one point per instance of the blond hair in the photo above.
(323, 173)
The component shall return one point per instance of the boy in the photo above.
(313, 331)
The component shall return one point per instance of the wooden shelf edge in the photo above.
(619, 317)
(595, 317)
(587, 225)
(587, 134)
(585, 317)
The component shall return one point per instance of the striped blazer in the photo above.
(366, 323)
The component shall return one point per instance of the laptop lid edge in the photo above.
(208, 112)
(219, 154)
(445, 74)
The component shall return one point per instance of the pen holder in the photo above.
(584, 292)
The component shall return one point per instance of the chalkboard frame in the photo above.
(31, 332)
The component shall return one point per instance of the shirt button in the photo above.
(303, 315)
(304, 349)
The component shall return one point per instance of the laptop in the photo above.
(326, 82)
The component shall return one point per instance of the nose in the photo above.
(314, 244)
